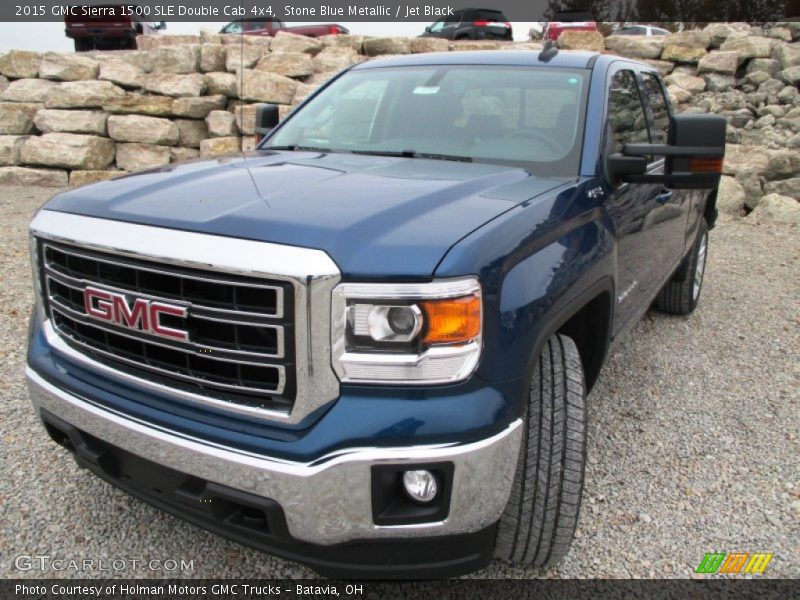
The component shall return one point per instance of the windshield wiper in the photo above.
(295, 147)
(413, 154)
(442, 156)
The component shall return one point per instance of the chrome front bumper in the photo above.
(326, 501)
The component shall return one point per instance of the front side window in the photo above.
(627, 123)
(436, 27)
(529, 117)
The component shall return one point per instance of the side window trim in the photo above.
(615, 69)
(655, 162)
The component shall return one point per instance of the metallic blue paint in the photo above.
(377, 217)
(540, 246)
(361, 416)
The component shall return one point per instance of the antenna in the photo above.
(549, 51)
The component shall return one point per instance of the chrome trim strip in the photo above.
(444, 288)
(70, 313)
(38, 293)
(362, 367)
(57, 343)
(207, 382)
(312, 274)
(278, 314)
(326, 501)
(86, 320)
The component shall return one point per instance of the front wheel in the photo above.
(539, 521)
(680, 294)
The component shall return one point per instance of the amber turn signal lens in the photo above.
(452, 320)
(705, 165)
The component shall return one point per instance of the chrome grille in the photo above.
(240, 346)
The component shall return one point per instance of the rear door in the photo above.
(668, 221)
(452, 25)
(636, 210)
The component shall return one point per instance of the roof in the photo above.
(521, 58)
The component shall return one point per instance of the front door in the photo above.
(645, 216)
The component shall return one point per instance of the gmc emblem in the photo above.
(143, 315)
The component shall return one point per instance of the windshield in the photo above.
(521, 116)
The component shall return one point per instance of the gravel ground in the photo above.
(694, 438)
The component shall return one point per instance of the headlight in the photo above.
(407, 333)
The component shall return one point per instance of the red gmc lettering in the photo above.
(143, 315)
(102, 308)
(135, 317)
(156, 310)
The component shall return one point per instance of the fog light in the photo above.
(420, 485)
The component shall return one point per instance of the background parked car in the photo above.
(641, 30)
(270, 27)
(106, 32)
(472, 24)
(572, 21)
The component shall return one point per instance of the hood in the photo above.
(374, 216)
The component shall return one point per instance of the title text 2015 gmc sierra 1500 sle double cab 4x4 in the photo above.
(367, 345)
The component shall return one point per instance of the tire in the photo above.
(539, 520)
(82, 45)
(680, 294)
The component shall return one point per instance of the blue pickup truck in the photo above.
(367, 345)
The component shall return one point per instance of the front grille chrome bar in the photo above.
(79, 285)
(310, 275)
(173, 374)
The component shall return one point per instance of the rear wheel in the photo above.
(681, 293)
(539, 521)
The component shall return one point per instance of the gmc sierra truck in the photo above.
(367, 345)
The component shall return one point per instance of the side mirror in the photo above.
(694, 154)
(621, 167)
(267, 118)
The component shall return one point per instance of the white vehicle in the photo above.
(641, 30)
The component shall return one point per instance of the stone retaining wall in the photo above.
(71, 119)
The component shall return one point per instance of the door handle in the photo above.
(664, 196)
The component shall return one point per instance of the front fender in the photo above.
(539, 265)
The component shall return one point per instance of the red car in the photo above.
(270, 27)
(569, 21)
(107, 27)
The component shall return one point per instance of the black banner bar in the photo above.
(403, 10)
(479, 589)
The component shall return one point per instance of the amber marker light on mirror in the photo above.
(705, 165)
(452, 320)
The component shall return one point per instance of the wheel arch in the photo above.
(710, 211)
(586, 319)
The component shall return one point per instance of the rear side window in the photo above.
(627, 123)
(658, 107)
